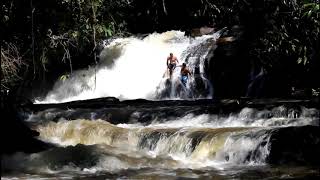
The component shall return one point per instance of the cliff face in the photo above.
(233, 72)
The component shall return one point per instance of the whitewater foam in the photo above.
(132, 68)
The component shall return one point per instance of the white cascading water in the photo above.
(131, 68)
(193, 141)
(187, 145)
(204, 142)
(87, 144)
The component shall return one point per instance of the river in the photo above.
(160, 140)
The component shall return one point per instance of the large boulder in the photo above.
(228, 67)
(295, 145)
(199, 31)
(16, 135)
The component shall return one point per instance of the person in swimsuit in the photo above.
(172, 63)
(184, 74)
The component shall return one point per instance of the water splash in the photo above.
(187, 145)
(132, 68)
(203, 143)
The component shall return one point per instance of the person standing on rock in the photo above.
(184, 74)
(172, 63)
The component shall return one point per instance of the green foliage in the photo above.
(62, 31)
(279, 34)
(65, 31)
(310, 9)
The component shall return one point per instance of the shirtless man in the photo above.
(184, 74)
(172, 63)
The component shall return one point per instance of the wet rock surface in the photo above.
(141, 110)
(289, 145)
(16, 135)
(295, 145)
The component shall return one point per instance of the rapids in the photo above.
(237, 145)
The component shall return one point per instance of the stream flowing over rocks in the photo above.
(110, 138)
(86, 91)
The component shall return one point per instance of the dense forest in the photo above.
(45, 40)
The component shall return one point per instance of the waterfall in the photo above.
(131, 68)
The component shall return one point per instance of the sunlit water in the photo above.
(132, 68)
(191, 146)
(202, 145)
